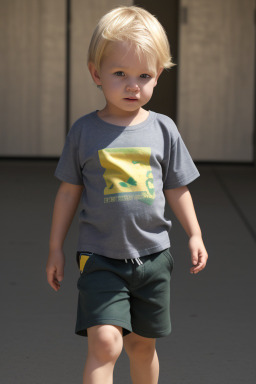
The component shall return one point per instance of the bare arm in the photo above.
(65, 206)
(180, 201)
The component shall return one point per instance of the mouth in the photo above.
(132, 99)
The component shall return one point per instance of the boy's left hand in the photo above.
(199, 254)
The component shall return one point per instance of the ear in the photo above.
(94, 73)
(158, 75)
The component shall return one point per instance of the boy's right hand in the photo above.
(55, 268)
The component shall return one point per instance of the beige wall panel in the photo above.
(85, 14)
(32, 68)
(216, 79)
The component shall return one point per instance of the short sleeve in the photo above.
(68, 168)
(181, 169)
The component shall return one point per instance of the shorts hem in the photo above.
(153, 334)
(82, 330)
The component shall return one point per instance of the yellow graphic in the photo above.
(128, 174)
(83, 260)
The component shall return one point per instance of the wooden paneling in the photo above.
(84, 96)
(215, 66)
(216, 78)
(32, 69)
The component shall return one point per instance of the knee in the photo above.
(105, 344)
(141, 350)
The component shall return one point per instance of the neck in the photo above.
(124, 118)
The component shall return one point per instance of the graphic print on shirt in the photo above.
(128, 174)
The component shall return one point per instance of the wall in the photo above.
(217, 79)
(210, 93)
(32, 70)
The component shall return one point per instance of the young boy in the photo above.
(124, 161)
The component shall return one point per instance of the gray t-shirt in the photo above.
(124, 171)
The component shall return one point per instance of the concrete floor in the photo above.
(213, 314)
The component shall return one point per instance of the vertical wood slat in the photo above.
(32, 68)
(216, 79)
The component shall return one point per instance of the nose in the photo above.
(132, 86)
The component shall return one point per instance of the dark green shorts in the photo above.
(128, 294)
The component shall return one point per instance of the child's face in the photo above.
(126, 80)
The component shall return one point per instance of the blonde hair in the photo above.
(136, 26)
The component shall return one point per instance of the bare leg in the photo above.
(105, 343)
(144, 363)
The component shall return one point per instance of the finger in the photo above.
(55, 285)
(201, 263)
(194, 257)
(198, 268)
(50, 276)
(52, 280)
(60, 275)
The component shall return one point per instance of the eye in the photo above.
(119, 73)
(145, 76)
